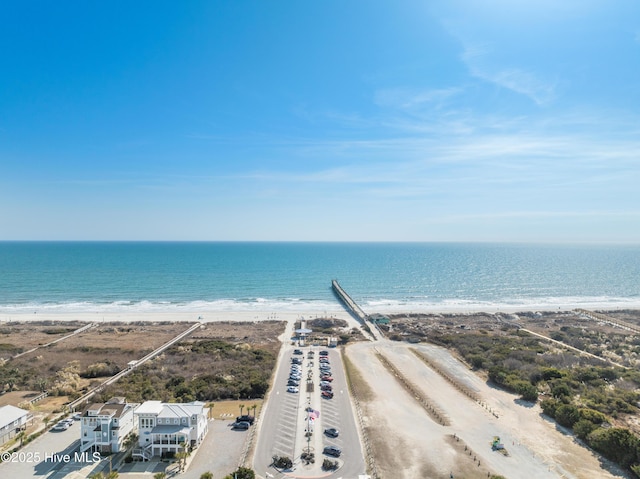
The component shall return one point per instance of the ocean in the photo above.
(382, 277)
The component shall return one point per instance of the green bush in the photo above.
(616, 444)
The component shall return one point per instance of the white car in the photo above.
(292, 389)
(61, 426)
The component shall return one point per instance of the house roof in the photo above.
(171, 410)
(171, 429)
(108, 409)
(10, 413)
(175, 410)
(149, 407)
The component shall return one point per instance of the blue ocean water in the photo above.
(384, 277)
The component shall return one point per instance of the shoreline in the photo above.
(212, 316)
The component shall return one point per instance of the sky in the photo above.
(441, 120)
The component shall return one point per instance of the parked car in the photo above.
(292, 389)
(77, 416)
(297, 351)
(61, 426)
(324, 359)
(326, 377)
(246, 418)
(332, 432)
(327, 394)
(332, 451)
(241, 426)
(324, 353)
(293, 382)
(326, 387)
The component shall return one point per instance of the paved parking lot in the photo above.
(285, 420)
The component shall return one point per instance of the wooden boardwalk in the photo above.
(608, 319)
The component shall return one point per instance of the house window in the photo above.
(146, 422)
(159, 421)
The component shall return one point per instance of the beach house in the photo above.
(105, 426)
(167, 428)
(13, 420)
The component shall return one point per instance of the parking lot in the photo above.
(289, 415)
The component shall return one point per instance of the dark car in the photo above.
(326, 387)
(292, 382)
(324, 353)
(246, 418)
(297, 351)
(332, 451)
(326, 377)
(241, 426)
(332, 432)
(327, 394)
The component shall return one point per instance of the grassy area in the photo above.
(228, 410)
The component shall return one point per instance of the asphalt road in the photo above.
(52, 454)
(284, 421)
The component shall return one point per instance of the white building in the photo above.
(104, 426)
(13, 420)
(169, 427)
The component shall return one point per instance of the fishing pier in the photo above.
(351, 305)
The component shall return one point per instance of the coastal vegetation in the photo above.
(202, 370)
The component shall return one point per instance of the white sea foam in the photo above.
(519, 304)
(222, 305)
(295, 305)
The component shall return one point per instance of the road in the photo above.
(284, 421)
(51, 455)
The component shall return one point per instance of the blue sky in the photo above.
(492, 120)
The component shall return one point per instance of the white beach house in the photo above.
(13, 420)
(104, 426)
(169, 427)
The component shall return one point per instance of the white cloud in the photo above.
(513, 78)
(408, 99)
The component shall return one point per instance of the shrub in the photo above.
(583, 428)
(616, 444)
(567, 415)
(282, 462)
(242, 473)
(329, 465)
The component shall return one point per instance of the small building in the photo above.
(379, 319)
(302, 332)
(13, 420)
(168, 428)
(104, 426)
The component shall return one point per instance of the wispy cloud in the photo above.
(409, 99)
(519, 80)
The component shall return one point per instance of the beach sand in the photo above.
(287, 314)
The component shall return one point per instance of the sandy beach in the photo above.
(287, 314)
